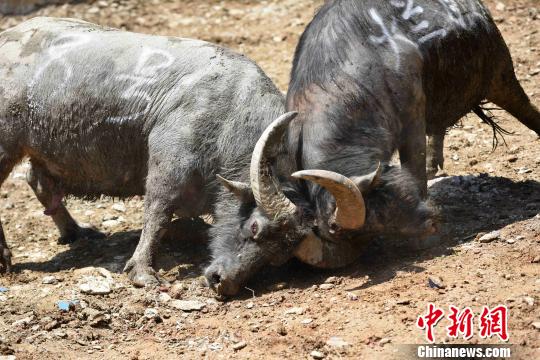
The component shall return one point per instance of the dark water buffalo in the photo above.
(102, 111)
(371, 78)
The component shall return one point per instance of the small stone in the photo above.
(93, 10)
(489, 237)
(524, 170)
(177, 290)
(337, 342)
(512, 158)
(436, 282)
(188, 305)
(295, 311)
(163, 297)
(239, 345)
(528, 300)
(280, 329)
(510, 241)
(536, 325)
(352, 296)
(307, 321)
(384, 341)
(326, 286)
(110, 223)
(151, 313)
(250, 305)
(500, 6)
(95, 286)
(317, 354)
(331, 280)
(536, 259)
(120, 207)
(49, 280)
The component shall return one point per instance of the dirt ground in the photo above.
(371, 307)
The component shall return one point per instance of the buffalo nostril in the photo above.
(216, 278)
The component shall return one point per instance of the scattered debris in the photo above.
(489, 237)
(436, 282)
(239, 345)
(188, 305)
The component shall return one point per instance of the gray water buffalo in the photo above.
(102, 111)
(371, 78)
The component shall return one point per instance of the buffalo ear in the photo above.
(368, 182)
(241, 190)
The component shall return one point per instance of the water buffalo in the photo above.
(371, 78)
(103, 111)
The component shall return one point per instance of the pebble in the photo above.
(239, 345)
(317, 354)
(188, 305)
(352, 296)
(110, 223)
(489, 237)
(250, 305)
(500, 6)
(436, 282)
(536, 259)
(326, 286)
(307, 321)
(177, 290)
(3, 289)
(384, 341)
(164, 297)
(95, 286)
(151, 313)
(524, 170)
(331, 280)
(295, 311)
(51, 280)
(120, 207)
(511, 241)
(536, 325)
(337, 342)
(528, 300)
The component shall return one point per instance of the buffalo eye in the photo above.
(254, 228)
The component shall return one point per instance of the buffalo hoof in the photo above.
(141, 275)
(81, 232)
(5, 260)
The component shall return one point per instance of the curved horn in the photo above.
(350, 208)
(266, 189)
(241, 190)
(326, 254)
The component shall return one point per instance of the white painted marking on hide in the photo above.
(148, 68)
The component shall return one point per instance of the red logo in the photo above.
(494, 322)
(429, 321)
(461, 322)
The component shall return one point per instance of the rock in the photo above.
(536, 325)
(239, 345)
(384, 341)
(512, 158)
(50, 280)
(510, 241)
(120, 207)
(489, 237)
(152, 314)
(94, 285)
(436, 282)
(188, 305)
(317, 354)
(53, 324)
(295, 311)
(163, 297)
(95, 317)
(536, 259)
(280, 329)
(331, 280)
(524, 170)
(23, 322)
(250, 305)
(278, 286)
(177, 290)
(337, 343)
(3, 289)
(403, 302)
(500, 6)
(528, 300)
(326, 286)
(352, 296)
(307, 321)
(110, 223)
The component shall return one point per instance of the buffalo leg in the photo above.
(412, 154)
(6, 165)
(50, 196)
(158, 210)
(435, 154)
